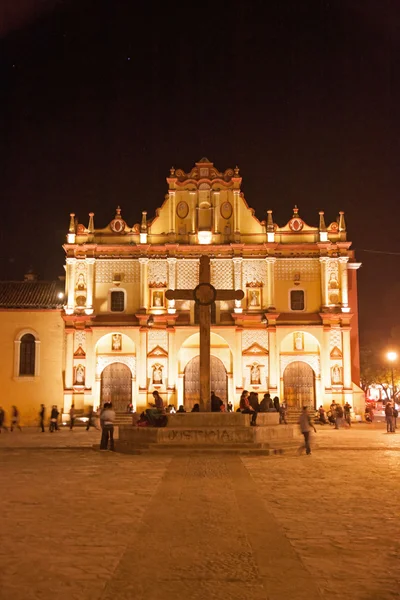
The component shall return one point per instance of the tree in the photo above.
(375, 370)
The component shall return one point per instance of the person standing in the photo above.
(2, 419)
(42, 416)
(276, 403)
(305, 427)
(54, 419)
(389, 418)
(107, 417)
(72, 415)
(395, 415)
(15, 419)
(347, 413)
(338, 416)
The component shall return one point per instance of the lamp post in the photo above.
(392, 357)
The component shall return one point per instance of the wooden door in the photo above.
(116, 386)
(299, 385)
(191, 385)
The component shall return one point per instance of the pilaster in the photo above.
(270, 281)
(324, 280)
(141, 365)
(69, 358)
(90, 285)
(347, 384)
(144, 295)
(238, 360)
(237, 280)
(344, 283)
(216, 198)
(70, 284)
(172, 265)
(273, 366)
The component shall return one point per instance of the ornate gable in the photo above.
(157, 352)
(255, 350)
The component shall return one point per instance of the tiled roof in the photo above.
(31, 294)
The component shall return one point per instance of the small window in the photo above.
(27, 355)
(297, 300)
(117, 301)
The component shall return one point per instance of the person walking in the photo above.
(42, 415)
(107, 417)
(338, 416)
(72, 415)
(91, 418)
(389, 418)
(2, 419)
(15, 419)
(305, 427)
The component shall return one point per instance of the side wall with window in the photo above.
(31, 351)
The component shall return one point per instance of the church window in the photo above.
(27, 355)
(297, 300)
(117, 301)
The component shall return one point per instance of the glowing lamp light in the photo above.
(204, 237)
(60, 295)
(392, 356)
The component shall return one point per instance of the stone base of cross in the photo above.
(205, 295)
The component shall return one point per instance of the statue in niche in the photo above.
(336, 374)
(157, 299)
(255, 375)
(157, 374)
(116, 343)
(80, 375)
(298, 341)
(254, 298)
(81, 283)
(333, 284)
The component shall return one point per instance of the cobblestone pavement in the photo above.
(81, 524)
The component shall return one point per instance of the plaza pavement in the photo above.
(80, 524)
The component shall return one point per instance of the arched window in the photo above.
(27, 355)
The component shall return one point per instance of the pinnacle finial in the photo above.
(270, 222)
(342, 222)
(143, 226)
(236, 171)
(172, 171)
(295, 211)
(91, 223)
(71, 223)
(118, 212)
(322, 226)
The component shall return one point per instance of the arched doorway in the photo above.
(191, 381)
(299, 385)
(116, 386)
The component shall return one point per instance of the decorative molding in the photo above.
(79, 352)
(254, 272)
(336, 353)
(128, 269)
(104, 360)
(187, 274)
(157, 339)
(158, 273)
(255, 350)
(157, 352)
(287, 269)
(312, 360)
(252, 336)
(222, 274)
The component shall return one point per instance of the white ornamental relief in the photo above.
(188, 274)
(222, 274)
(254, 336)
(80, 266)
(157, 338)
(157, 271)
(104, 361)
(335, 339)
(312, 360)
(254, 271)
(80, 340)
(107, 269)
(288, 269)
(263, 374)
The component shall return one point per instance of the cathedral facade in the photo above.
(294, 334)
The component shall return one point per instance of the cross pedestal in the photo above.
(204, 294)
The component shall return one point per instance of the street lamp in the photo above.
(392, 357)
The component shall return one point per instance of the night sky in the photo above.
(100, 98)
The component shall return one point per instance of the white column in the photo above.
(172, 359)
(238, 361)
(236, 211)
(237, 281)
(70, 276)
(90, 286)
(69, 358)
(172, 262)
(324, 281)
(273, 366)
(344, 282)
(172, 202)
(346, 358)
(193, 208)
(141, 364)
(271, 281)
(144, 290)
(326, 358)
(216, 196)
(90, 365)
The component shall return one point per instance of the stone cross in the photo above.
(204, 294)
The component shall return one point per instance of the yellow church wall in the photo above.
(102, 292)
(27, 393)
(312, 291)
(310, 343)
